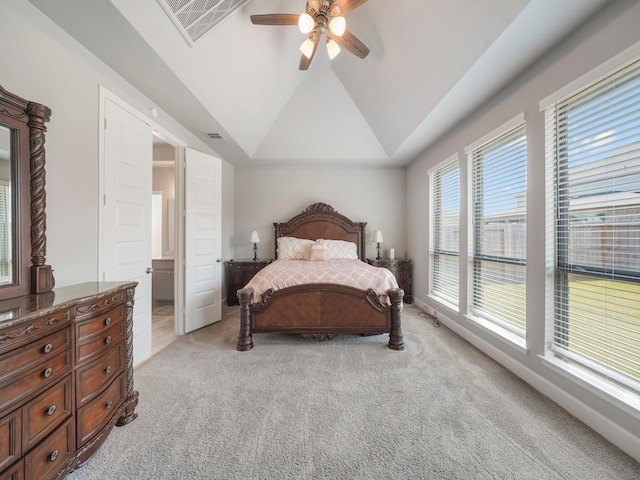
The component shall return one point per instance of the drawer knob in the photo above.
(53, 456)
(47, 348)
(107, 321)
(107, 340)
(107, 370)
(47, 373)
(51, 410)
(109, 405)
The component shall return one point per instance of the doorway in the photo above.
(163, 248)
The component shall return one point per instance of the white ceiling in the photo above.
(431, 63)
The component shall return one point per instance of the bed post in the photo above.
(245, 339)
(396, 339)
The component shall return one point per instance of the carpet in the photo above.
(349, 408)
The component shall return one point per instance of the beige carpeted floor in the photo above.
(349, 408)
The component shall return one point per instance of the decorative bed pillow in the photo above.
(291, 248)
(340, 249)
(318, 251)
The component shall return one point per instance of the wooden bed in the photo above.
(321, 311)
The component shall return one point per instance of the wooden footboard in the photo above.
(320, 309)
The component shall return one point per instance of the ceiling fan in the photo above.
(321, 16)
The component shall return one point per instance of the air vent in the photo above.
(215, 136)
(194, 18)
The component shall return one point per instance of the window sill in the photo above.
(515, 341)
(444, 302)
(626, 400)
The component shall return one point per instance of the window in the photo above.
(6, 249)
(156, 225)
(445, 231)
(593, 150)
(498, 169)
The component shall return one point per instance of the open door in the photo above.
(125, 240)
(203, 236)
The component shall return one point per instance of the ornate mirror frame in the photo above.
(26, 122)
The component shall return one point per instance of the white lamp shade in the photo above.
(306, 23)
(254, 237)
(333, 49)
(307, 48)
(377, 236)
(337, 26)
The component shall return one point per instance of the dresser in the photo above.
(401, 269)
(239, 272)
(66, 376)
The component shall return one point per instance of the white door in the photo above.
(125, 250)
(203, 267)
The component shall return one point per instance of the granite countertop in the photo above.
(19, 309)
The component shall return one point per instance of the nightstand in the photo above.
(401, 269)
(238, 275)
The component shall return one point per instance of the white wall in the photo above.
(611, 31)
(42, 63)
(267, 195)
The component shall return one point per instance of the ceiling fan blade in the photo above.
(304, 61)
(313, 4)
(275, 19)
(349, 42)
(347, 5)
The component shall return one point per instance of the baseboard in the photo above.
(612, 431)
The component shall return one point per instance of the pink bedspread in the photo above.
(356, 273)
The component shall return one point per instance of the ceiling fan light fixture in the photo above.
(306, 23)
(333, 49)
(337, 26)
(307, 48)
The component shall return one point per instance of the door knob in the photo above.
(219, 260)
(149, 270)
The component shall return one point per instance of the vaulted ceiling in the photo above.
(431, 63)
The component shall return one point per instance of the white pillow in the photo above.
(318, 251)
(291, 248)
(340, 249)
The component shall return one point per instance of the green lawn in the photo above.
(602, 319)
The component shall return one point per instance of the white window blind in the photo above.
(445, 211)
(6, 249)
(156, 225)
(593, 144)
(499, 215)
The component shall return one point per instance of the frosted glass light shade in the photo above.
(254, 237)
(307, 48)
(306, 23)
(377, 236)
(333, 49)
(337, 26)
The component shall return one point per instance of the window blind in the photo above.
(499, 188)
(6, 249)
(594, 140)
(156, 225)
(445, 234)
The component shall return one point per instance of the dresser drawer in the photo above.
(25, 333)
(14, 473)
(98, 307)
(99, 343)
(10, 444)
(96, 414)
(45, 412)
(49, 457)
(45, 373)
(14, 363)
(99, 324)
(93, 377)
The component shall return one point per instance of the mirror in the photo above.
(7, 270)
(23, 268)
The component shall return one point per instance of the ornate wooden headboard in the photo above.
(320, 220)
